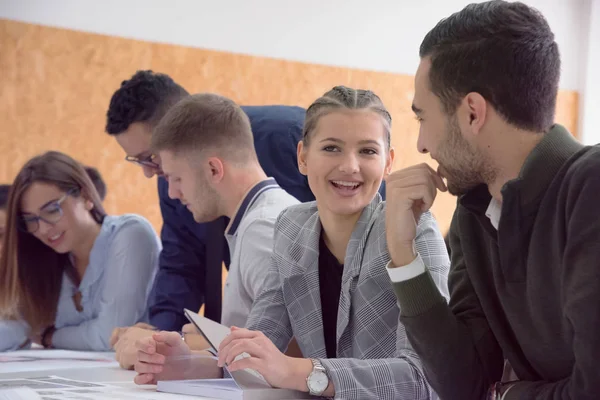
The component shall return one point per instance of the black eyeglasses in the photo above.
(144, 162)
(50, 213)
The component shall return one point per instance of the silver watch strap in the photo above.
(317, 365)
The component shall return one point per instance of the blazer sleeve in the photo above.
(269, 313)
(458, 331)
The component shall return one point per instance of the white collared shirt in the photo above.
(250, 239)
(493, 212)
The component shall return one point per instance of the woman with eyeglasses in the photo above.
(69, 273)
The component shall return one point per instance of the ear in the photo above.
(389, 162)
(87, 202)
(475, 112)
(216, 169)
(302, 158)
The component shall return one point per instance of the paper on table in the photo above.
(58, 355)
(21, 393)
(51, 382)
(121, 394)
(40, 360)
(56, 388)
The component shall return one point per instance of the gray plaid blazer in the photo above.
(374, 358)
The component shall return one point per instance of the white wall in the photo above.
(380, 35)
(589, 117)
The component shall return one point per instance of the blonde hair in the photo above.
(342, 97)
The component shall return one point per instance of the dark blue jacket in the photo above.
(190, 263)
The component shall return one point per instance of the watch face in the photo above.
(318, 381)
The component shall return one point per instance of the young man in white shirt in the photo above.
(207, 154)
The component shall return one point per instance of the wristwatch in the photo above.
(318, 380)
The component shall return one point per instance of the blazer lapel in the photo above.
(303, 284)
(352, 268)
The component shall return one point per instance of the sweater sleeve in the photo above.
(458, 331)
(581, 294)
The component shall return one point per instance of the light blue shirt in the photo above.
(114, 289)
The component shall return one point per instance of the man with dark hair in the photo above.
(97, 180)
(190, 263)
(524, 281)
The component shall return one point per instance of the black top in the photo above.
(330, 286)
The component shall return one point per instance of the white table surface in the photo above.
(112, 375)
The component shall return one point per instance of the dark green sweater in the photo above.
(529, 292)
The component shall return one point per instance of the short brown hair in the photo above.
(31, 272)
(504, 51)
(345, 98)
(206, 121)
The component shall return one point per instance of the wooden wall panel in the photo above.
(55, 85)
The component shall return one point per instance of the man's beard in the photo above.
(463, 166)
